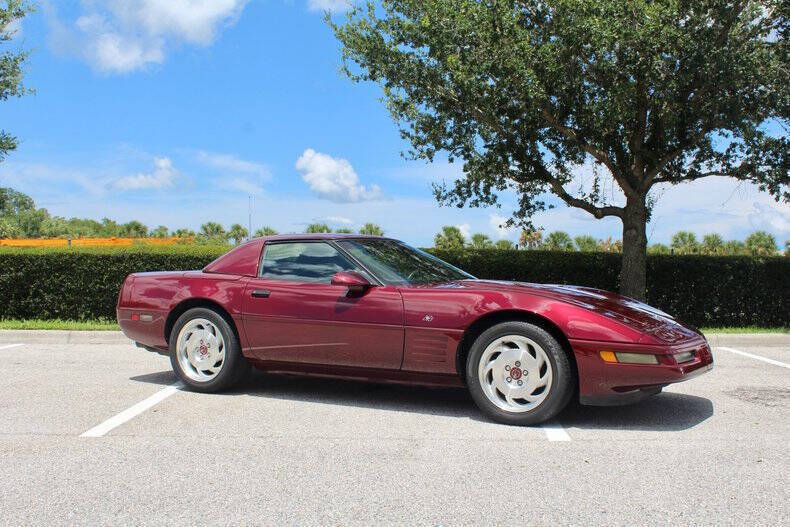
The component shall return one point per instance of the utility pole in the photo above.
(249, 222)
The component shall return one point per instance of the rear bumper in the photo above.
(604, 383)
(148, 331)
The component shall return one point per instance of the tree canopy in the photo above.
(371, 229)
(481, 241)
(11, 64)
(265, 231)
(558, 241)
(525, 92)
(238, 233)
(450, 238)
(317, 228)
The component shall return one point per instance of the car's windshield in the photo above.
(397, 263)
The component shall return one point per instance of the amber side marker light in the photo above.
(628, 358)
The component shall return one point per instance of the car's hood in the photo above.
(611, 305)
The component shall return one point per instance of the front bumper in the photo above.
(605, 383)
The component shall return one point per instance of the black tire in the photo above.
(562, 384)
(234, 368)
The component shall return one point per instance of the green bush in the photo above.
(710, 291)
(705, 291)
(83, 284)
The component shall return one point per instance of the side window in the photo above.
(303, 262)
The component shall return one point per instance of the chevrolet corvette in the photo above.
(374, 308)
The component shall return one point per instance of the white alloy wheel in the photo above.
(200, 350)
(515, 373)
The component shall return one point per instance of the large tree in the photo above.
(525, 92)
(11, 63)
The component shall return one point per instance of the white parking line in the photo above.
(8, 346)
(753, 356)
(119, 419)
(555, 432)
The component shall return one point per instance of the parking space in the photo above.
(312, 450)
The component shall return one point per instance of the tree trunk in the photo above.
(633, 276)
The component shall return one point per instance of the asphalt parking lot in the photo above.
(92, 430)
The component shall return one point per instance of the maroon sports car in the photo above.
(375, 308)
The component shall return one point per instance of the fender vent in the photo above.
(429, 348)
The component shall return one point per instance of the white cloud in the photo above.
(334, 178)
(163, 176)
(497, 224)
(231, 163)
(770, 217)
(41, 179)
(466, 230)
(333, 6)
(86, 189)
(242, 185)
(339, 219)
(722, 205)
(119, 36)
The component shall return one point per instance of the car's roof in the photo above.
(319, 236)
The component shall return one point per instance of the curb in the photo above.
(58, 336)
(747, 339)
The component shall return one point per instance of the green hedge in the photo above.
(705, 291)
(82, 284)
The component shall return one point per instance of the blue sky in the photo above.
(173, 112)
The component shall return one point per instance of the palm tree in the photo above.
(213, 230)
(481, 241)
(237, 233)
(761, 243)
(734, 247)
(504, 245)
(344, 230)
(449, 239)
(371, 229)
(558, 241)
(712, 244)
(658, 248)
(530, 239)
(317, 228)
(684, 242)
(265, 231)
(586, 243)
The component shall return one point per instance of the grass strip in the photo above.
(72, 325)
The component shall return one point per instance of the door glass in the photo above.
(303, 262)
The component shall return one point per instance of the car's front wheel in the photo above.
(205, 352)
(519, 374)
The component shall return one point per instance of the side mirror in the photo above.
(355, 282)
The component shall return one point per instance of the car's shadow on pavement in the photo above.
(663, 412)
(666, 412)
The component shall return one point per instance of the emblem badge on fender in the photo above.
(427, 318)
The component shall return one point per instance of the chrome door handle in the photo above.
(261, 293)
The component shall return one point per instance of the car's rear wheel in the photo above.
(205, 352)
(519, 374)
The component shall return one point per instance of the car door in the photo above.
(292, 313)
